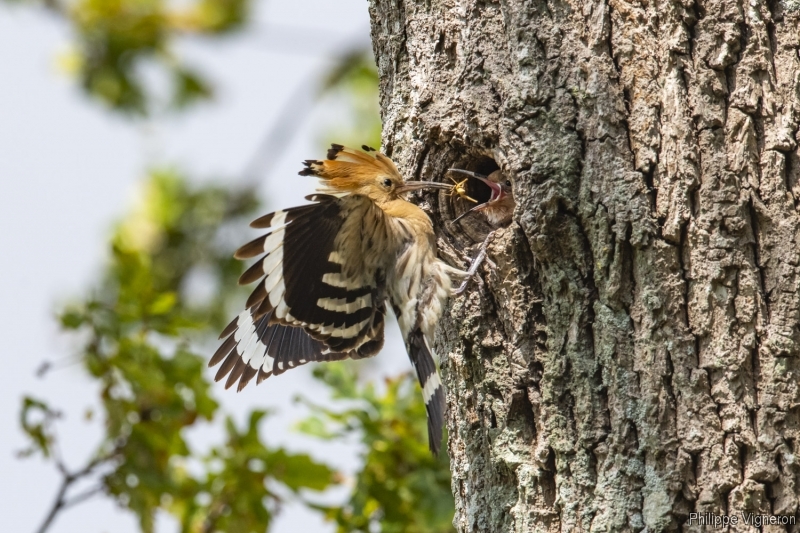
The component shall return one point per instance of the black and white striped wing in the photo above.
(304, 307)
(257, 347)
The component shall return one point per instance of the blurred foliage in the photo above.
(171, 279)
(116, 39)
(36, 420)
(134, 329)
(354, 80)
(401, 487)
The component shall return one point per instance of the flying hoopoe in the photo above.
(326, 271)
(497, 210)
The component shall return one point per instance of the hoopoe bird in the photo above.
(326, 271)
(498, 211)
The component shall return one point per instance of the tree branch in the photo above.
(57, 505)
(68, 478)
(83, 496)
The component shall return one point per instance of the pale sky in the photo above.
(68, 169)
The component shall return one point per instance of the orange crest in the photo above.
(349, 170)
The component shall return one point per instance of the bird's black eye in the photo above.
(387, 183)
(508, 183)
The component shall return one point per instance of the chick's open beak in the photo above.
(497, 191)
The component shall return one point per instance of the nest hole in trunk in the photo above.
(471, 225)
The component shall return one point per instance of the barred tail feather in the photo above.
(432, 389)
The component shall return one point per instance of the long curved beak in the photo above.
(497, 191)
(415, 185)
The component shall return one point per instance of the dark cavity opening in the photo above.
(475, 188)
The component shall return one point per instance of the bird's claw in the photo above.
(475, 264)
(461, 288)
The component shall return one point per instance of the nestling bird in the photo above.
(500, 206)
(497, 210)
(326, 273)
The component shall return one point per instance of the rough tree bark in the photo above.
(633, 358)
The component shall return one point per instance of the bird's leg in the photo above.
(476, 263)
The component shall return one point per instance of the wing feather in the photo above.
(236, 372)
(228, 330)
(254, 273)
(259, 347)
(252, 248)
(247, 376)
(223, 350)
(295, 315)
(227, 365)
(258, 294)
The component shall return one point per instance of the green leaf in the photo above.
(400, 487)
(163, 303)
(299, 471)
(72, 318)
(315, 426)
(36, 419)
(190, 87)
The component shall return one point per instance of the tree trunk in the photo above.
(633, 356)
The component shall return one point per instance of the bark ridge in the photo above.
(634, 356)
